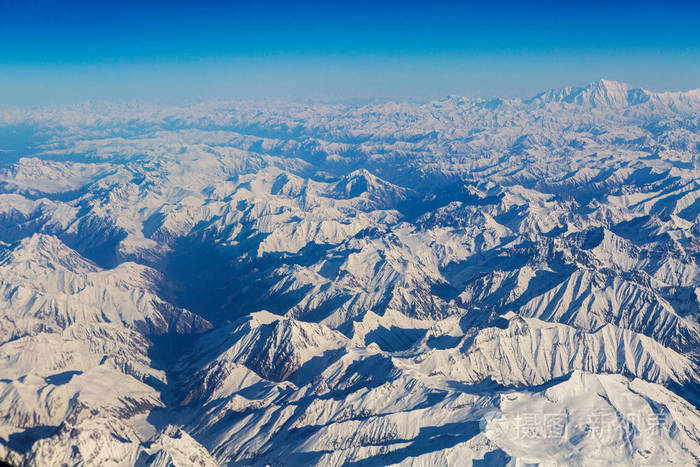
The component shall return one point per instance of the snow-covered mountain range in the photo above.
(496, 282)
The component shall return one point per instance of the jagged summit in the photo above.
(46, 285)
(605, 93)
(362, 181)
(599, 93)
(45, 251)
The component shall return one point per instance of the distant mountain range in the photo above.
(496, 282)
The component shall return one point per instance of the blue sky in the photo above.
(62, 51)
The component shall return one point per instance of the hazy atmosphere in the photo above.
(358, 234)
(59, 52)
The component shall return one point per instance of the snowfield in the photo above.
(494, 282)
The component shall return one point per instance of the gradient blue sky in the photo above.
(63, 51)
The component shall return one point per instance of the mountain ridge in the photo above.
(416, 283)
